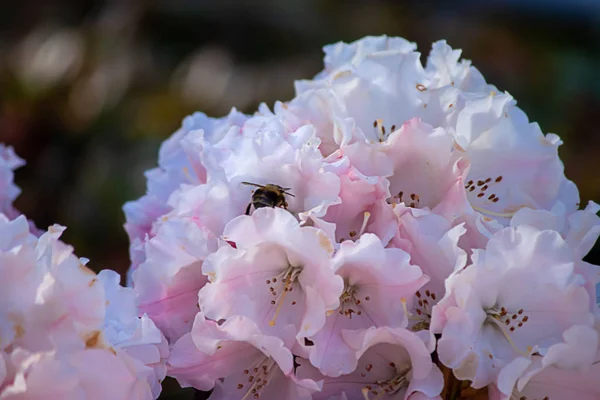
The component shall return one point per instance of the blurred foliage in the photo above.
(89, 89)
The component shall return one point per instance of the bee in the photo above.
(268, 195)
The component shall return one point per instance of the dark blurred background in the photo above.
(89, 89)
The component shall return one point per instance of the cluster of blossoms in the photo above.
(66, 332)
(394, 231)
(422, 242)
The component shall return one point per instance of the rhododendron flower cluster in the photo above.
(65, 331)
(396, 230)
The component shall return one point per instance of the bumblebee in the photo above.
(268, 195)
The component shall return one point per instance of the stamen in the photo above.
(186, 173)
(404, 307)
(492, 319)
(365, 393)
(366, 217)
(496, 214)
(289, 278)
(264, 366)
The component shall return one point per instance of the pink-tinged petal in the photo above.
(363, 340)
(390, 80)
(142, 214)
(579, 228)
(91, 374)
(138, 338)
(9, 161)
(379, 285)
(513, 164)
(434, 248)
(573, 356)
(210, 206)
(181, 161)
(268, 275)
(446, 69)
(428, 387)
(574, 352)
(563, 384)
(363, 207)
(190, 366)
(67, 332)
(346, 56)
(167, 283)
(428, 154)
(320, 108)
(5, 374)
(70, 302)
(567, 370)
(520, 294)
(368, 158)
(584, 228)
(390, 360)
(266, 155)
(121, 383)
(508, 377)
(40, 376)
(238, 360)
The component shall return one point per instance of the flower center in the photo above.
(508, 322)
(288, 277)
(412, 200)
(256, 377)
(481, 192)
(350, 302)
(422, 310)
(389, 387)
(380, 130)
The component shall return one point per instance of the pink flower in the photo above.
(66, 332)
(513, 164)
(167, 283)
(319, 108)
(92, 374)
(265, 156)
(446, 70)
(421, 164)
(379, 285)
(279, 275)
(363, 208)
(345, 56)
(567, 370)
(579, 228)
(520, 294)
(375, 79)
(137, 337)
(432, 243)
(9, 162)
(238, 361)
(178, 163)
(391, 361)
